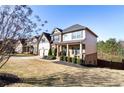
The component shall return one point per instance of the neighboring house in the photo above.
(44, 44)
(21, 46)
(121, 43)
(29, 46)
(33, 44)
(76, 40)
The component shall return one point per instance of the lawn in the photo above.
(31, 72)
(23, 55)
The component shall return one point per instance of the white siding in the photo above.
(44, 47)
(19, 47)
(90, 43)
(34, 44)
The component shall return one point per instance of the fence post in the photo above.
(122, 63)
(111, 64)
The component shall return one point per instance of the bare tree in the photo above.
(15, 23)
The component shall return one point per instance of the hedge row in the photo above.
(74, 60)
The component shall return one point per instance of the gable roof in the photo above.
(77, 27)
(47, 35)
(35, 37)
(23, 41)
(74, 28)
(57, 29)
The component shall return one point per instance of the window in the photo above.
(43, 40)
(75, 51)
(67, 37)
(56, 38)
(83, 46)
(76, 35)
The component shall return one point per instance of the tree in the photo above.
(100, 45)
(15, 23)
(110, 46)
(50, 52)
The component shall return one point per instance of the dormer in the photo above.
(56, 35)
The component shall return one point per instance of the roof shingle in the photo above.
(74, 28)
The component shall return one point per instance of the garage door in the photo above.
(41, 52)
(46, 52)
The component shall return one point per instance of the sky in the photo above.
(106, 21)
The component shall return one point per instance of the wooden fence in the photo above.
(110, 64)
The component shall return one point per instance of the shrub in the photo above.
(51, 57)
(44, 57)
(74, 59)
(65, 58)
(69, 59)
(62, 58)
(79, 61)
(62, 53)
(50, 52)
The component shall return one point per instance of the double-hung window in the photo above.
(77, 35)
(56, 38)
(75, 51)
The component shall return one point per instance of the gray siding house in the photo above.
(76, 40)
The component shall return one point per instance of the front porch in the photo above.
(75, 49)
(70, 49)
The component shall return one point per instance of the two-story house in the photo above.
(76, 40)
(44, 44)
(21, 46)
(29, 46)
(33, 44)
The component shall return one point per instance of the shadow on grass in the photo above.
(74, 65)
(53, 80)
(7, 78)
(60, 79)
(57, 80)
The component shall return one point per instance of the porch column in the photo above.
(81, 51)
(57, 51)
(67, 50)
(60, 48)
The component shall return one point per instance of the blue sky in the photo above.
(106, 21)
